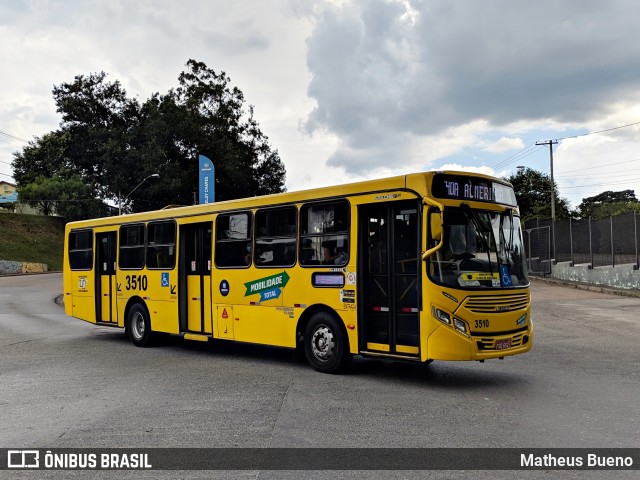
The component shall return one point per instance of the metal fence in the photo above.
(598, 243)
(537, 244)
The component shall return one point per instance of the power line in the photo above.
(600, 131)
(523, 153)
(5, 134)
(519, 154)
(601, 166)
(64, 200)
(630, 180)
(604, 175)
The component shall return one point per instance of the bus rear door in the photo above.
(105, 284)
(195, 277)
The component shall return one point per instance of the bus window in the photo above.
(275, 237)
(81, 250)
(233, 240)
(324, 234)
(161, 245)
(131, 254)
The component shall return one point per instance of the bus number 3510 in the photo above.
(135, 282)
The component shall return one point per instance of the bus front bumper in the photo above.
(447, 344)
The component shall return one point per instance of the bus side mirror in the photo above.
(435, 221)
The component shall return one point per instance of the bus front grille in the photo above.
(497, 303)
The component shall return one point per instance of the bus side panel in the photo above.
(163, 316)
(266, 325)
(161, 297)
(256, 297)
(83, 305)
(301, 294)
(158, 289)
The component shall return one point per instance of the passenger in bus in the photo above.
(263, 256)
(308, 253)
(331, 255)
(247, 254)
(341, 257)
(164, 258)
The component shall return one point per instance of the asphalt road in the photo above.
(65, 383)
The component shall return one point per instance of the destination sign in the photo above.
(461, 187)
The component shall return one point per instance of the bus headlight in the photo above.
(441, 315)
(521, 320)
(460, 325)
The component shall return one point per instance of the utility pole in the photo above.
(551, 143)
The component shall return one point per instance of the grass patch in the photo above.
(32, 238)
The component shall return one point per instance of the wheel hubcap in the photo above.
(323, 343)
(138, 326)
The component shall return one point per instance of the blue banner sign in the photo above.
(207, 178)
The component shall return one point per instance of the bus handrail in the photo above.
(432, 203)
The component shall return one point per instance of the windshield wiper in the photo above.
(508, 246)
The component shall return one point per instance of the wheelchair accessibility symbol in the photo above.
(505, 276)
(165, 279)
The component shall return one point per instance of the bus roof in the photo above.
(415, 181)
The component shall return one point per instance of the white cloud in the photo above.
(378, 77)
(505, 144)
(586, 166)
(466, 168)
(348, 90)
(145, 45)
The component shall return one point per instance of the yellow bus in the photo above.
(421, 267)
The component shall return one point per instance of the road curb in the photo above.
(587, 286)
(25, 274)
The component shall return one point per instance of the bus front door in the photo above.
(195, 278)
(389, 253)
(105, 284)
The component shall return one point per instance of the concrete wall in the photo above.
(10, 267)
(621, 276)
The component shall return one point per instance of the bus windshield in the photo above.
(481, 250)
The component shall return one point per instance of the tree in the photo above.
(533, 192)
(68, 197)
(608, 203)
(43, 157)
(111, 142)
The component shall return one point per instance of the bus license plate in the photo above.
(502, 344)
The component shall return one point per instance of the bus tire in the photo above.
(325, 345)
(139, 326)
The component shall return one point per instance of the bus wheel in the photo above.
(139, 326)
(325, 345)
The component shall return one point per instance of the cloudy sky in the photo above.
(349, 90)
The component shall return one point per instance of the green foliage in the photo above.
(533, 192)
(608, 203)
(111, 142)
(43, 157)
(8, 207)
(68, 197)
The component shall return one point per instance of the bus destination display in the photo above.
(460, 187)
